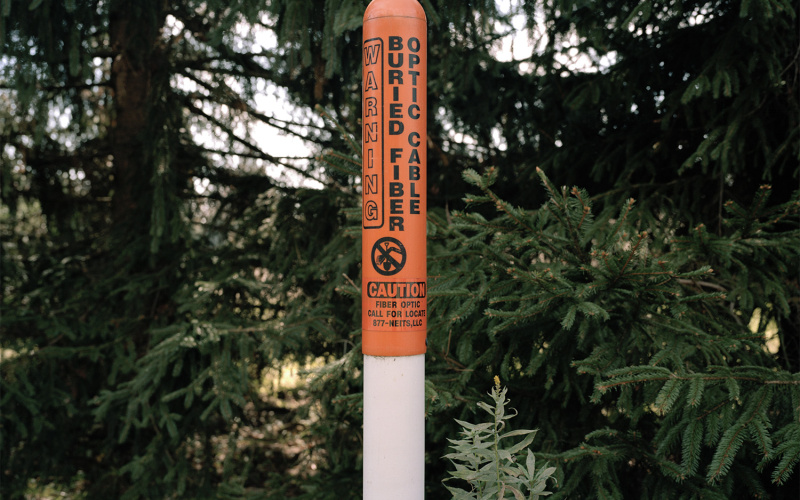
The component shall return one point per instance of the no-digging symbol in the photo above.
(388, 256)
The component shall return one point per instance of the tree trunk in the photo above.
(133, 40)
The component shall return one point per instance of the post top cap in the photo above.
(394, 8)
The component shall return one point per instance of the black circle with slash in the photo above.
(388, 256)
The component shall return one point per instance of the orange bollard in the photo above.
(394, 184)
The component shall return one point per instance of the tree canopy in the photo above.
(614, 230)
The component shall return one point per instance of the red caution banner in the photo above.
(394, 184)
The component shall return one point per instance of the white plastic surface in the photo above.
(394, 427)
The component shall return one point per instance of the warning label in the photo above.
(394, 132)
(394, 306)
(389, 290)
(394, 180)
(373, 134)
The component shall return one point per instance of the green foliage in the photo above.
(493, 470)
(629, 327)
(160, 259)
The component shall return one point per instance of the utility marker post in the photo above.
(394, 256)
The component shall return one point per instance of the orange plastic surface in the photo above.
(394, 180)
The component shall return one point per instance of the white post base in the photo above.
(394, 427)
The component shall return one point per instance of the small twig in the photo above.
(685, 281)
(351, 281)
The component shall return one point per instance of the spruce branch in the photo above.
(562, 213)
(632, 252)
(355, 148)
(733, 438)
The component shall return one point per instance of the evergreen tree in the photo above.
(153, 275)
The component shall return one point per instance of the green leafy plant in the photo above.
(491, 469)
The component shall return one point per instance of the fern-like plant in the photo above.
(491, 469)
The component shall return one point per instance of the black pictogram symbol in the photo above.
(388, 256)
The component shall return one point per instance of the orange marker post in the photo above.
(394, 268)
(394, 291)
